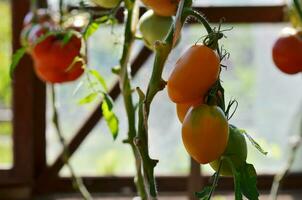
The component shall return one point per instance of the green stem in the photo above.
(77, 181)
(278, 179)
(298, 8)
(215, 181)
(61, 10)
(125, 85)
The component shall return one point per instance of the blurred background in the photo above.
(269, 101)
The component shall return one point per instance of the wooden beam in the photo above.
(231, 14)
(165, 184)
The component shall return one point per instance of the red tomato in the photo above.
(53, 59)
(287, 52)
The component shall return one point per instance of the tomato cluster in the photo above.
(203, 125)
(53, 50)
(206, 133)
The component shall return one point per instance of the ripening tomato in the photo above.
(287, 51)
(236, 151)
(106, 3)
(54, 59)
(162, 7)
(147, 24)
(183, 108)
(205, 133)
(193, 75)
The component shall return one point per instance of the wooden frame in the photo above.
(29, 96)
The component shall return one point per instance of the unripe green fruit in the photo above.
(106, 3)
(236, 151)
(154, 27)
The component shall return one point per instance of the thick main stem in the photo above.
(77, 182)
(156, 84)
(125, 85)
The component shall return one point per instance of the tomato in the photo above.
(287, 52)
(183, 108)
(193, 75)
(42, 15)
(53, 59)
(205, 133)
(162, 7)
(150, 34)
(236, 151)
(106, 3)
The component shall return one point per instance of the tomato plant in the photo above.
(106, 3)
(54, 58)
(194, 74)
(147, 24)
(287, 51)
(236, 150)
(205, 133)
(194, 85)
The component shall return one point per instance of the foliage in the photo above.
(5, 53)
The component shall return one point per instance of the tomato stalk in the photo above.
(77, 182)
(125, 85)
(155, 85)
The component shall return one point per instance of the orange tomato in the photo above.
(54, 60)
(193, 75)
(183, 108)
(205, 133)
(162, 7)
(287, 52)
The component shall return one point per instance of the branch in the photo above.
(125, 85)
(77, 181)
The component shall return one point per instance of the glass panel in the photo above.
(5, 90)
(262, 91)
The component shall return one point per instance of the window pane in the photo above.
(268, 108)
(5, 90)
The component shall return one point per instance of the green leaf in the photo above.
(110, 117)
(89, 98)
(253, 142)
(16, 59)
(249, 182)
(94, 25)
(99, 77)
(204, 194)
(237, 179)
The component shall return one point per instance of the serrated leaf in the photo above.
(204, 194)
(249, 182)
(254, 143)
(89, 98)
(110, 117)
(93, 26)
(99, 77)
(16, 59)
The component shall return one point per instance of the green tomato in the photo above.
(154, 27)
(106, 3)
(236, 151)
